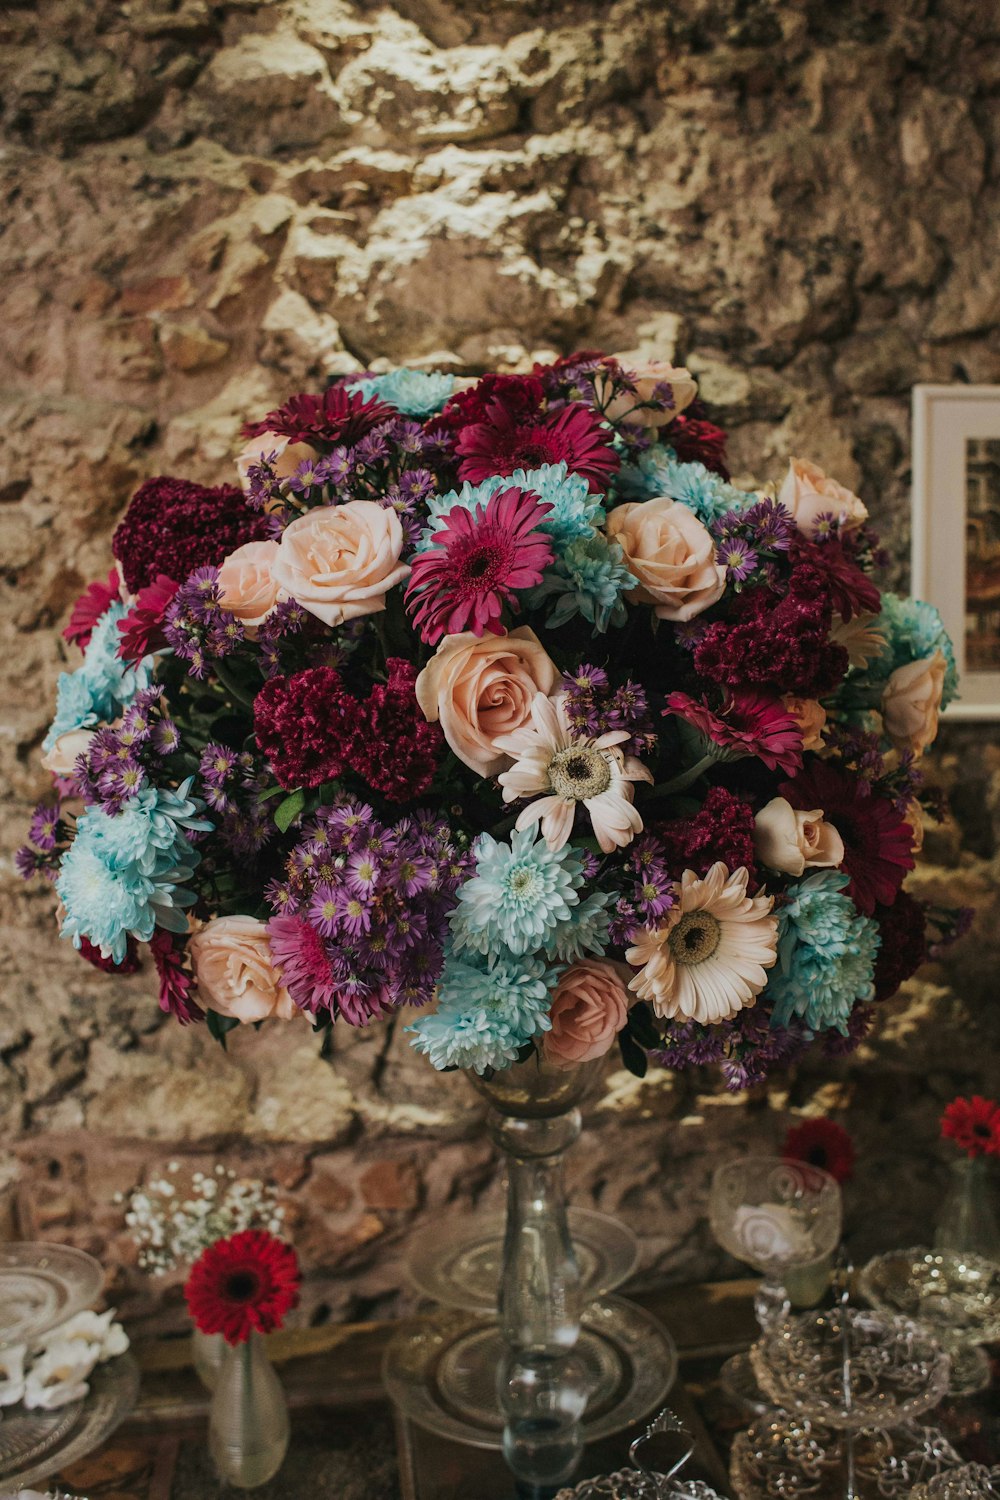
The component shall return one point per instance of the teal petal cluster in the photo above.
(826, 955)
(488, 1009)
(659, 472)
(588, 578)
(100, 689)
(415, 393)
(126, 873)
(520, 897)
(913, 630)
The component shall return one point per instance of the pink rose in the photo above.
(809, 493)
(793, 841)
(651, 378)
(234, 972)
(810, 717)
(481, 688)
(340, 561)
(911, 703)
(589, 1008)
(61, 756)
(246, 582)
(672, 555)
(289, 455)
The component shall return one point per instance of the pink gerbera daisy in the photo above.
(300, 956)
(141, 630)
(507, 440)
(93, 602)
(746, 724)
(477, 562)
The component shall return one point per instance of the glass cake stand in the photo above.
(789, 1456)
(970, 1482)
(36, 1444)
(956, 1296)
(42, 1286)
(459, 1265)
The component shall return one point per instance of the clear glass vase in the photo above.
(248, 1418)
(969, 1221)
(542, 1382)
(207, 1353)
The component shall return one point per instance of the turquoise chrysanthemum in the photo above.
(585, 935)
(149, 830)
(487, 1010)
(575, 515)
(588, 578)
(519, 896)
(74, 707)
(913, 630)
(659, 472)
(102, 686)
(416, 393)
(826, 955)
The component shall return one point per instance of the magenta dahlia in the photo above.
(746, 724)
(476, 564)
(878, 842)
(506, 440)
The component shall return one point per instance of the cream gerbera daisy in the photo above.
(707, 959)
(561, 770)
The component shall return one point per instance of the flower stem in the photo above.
(231, 687)
(683, 781)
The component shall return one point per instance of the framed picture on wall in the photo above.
(956, 530)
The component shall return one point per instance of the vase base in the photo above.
(459, 1265)
(442, 1375)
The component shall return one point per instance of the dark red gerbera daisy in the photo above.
(245, 1284)
(903, 946)
(746, 724)
(141, 630)
(95, 600)
(878, 842)
(974, 1125)
(336, 416)
(479, 559)
(504, 441)
(129, 964)
(824, 1144)
(521, 395)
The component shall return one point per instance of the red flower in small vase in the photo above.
(974, 1125)
(822, 1143)
(245, 1284)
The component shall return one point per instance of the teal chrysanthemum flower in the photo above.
(149, 830)
(102, 686)
(575, 514)
(520, 894)
(416, 393)
(659, 472)
(585, 935)
(913, 630)
(826, 955)
(488, 1009)
(588, 578)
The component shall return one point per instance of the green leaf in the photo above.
(642, 1026)
(286, 812)
(218, 1026)
(272, 791)
(632, 1054)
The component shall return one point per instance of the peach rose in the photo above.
(246, 583)
(911, 702)
(792, 841)
(481, 688)
(914, 818)
(589, 1008)
(647, 375)
(61, 756)
(810, 717)
(289, 455)
(671, 553)
(233, 969)
(340, 561)
(809, 493)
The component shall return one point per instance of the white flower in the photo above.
(93, 1330)
(59, 1375)
(561, 769)
(12, 1374)
(771, 1232)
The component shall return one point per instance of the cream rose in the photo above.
(246, 582)
(481, 688)
(809, 493)
(911, 702)
(792, 841)
(810, 717)
(589, 1008)
(340, 561)
(234, 972)
(289, 455)
(61, 756)
(646, 375)
(671, 553)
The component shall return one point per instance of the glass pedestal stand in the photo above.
(551, 1368)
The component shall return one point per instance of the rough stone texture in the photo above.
(207, 204)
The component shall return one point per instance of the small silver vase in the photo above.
(248, 1418)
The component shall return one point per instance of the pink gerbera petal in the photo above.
(746, 724)
(508, 439)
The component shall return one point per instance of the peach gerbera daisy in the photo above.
(707, 959)
(563, 771)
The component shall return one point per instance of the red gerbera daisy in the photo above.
(478, 560)
(822, 1143)
(129, 965)
(141, 630)
(337, 416)
(746, 724)
(504, 441)
(247, 1283)
(974, 1125)
(878, 842)
(88, 609)
(521, 395)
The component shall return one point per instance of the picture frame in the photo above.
(956, 531)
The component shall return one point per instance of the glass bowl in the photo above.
(791, 1457)
(958, 1296)
(42, 1286)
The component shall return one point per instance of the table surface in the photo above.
(346, 1444)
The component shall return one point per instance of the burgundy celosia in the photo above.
(722, 828)
(825, 566)
(129, 965)
(336, 416)
(392, 718)
(697, 440)
(504, 441)
(878, 843)
(172, 527)
(782, 642)
(141, 630)
(521, 395)
(303, 724)
(91, 605)
(176, 984)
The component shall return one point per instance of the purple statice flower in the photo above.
(737, 557)
(858, 751)
(688, 1045)
(287, 619)
(859, 1024)
(624, 923)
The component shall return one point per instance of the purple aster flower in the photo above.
(737, 557)
(771, 524)
(324, 910)
(44, 828)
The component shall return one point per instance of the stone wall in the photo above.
(210, 203)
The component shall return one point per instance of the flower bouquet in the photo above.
(500, 694)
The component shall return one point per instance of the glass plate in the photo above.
(36, 1445)
(957, 1296)
(970, 1482)
(42, 1286)
(787, 1456)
